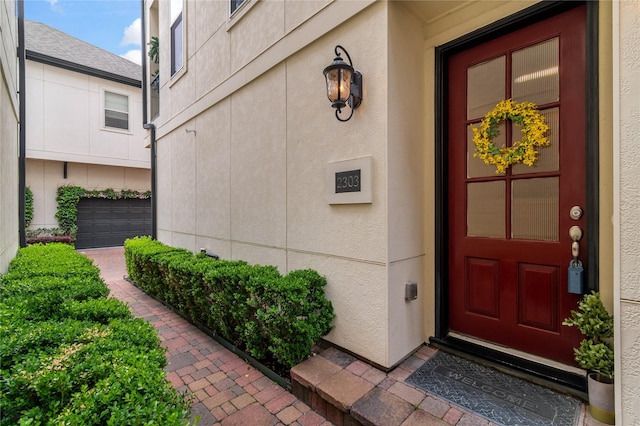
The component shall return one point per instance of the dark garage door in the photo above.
(107, 223)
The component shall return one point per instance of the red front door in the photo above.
(509, 246)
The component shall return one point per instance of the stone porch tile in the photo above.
(311, 418)
(313, 371)
(223, 384)
(408, 393)
(289, 415)
(267, 394)
(206, 418)
(399, 374)
(374, 376)
(343, 389)
(421, 418)
(280, 402)
(218, 399)
(412, 363)
(425, 352)
(262, 382)
(379, 408)
(198, 384)
(358, 368)
(435, 406)
(471, 420)
(452, 416)
(254, 414)
(242, 401)
(228, 407)
(338, 357)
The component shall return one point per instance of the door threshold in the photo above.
(520, 354)
(554, 375)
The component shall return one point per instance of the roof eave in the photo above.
(61, 63)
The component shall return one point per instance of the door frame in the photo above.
(525, 17)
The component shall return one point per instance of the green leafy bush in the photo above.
(254, 307)
(595, 353)
(67, 214)
(28, 206)
(69, 355)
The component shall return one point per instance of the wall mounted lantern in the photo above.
(344, 84)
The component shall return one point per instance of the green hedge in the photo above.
(254, 307)
(69, 355)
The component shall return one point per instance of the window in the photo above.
(176, 45)
(235, 4)
(177, 36)
(116, 111)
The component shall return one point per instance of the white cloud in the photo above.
(55, 6)
(134, 56)
(132, 33)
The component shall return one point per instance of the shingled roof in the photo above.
(51, 46)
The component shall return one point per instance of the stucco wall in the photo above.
(250, 182)
(405, 174)
(44, 177)
(65, 119)
(8, 135)
(628, 237)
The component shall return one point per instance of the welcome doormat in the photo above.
(498, 397)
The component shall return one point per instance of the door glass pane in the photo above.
(535, 73)
(486, 209)
(534, 209)
(475, 166)
(485, 87)
(548, 156)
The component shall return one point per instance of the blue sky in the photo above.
(113, 25)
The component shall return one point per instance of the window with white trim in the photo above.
(116, 110)
(177, 37)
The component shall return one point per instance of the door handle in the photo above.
(575, 232)
(575, 282)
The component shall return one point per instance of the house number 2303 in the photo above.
(348, 181)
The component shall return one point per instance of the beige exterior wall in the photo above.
(65, 123)
(405, 174)
(259, 175)
(65, 119)
(627, 201)
(9, 117)
(44, 177)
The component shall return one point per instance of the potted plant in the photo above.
(595, 354)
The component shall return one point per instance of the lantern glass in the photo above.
(333, 88)
(345, 84)
(338, 84)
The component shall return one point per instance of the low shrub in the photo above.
(254, 307)
(69, 355)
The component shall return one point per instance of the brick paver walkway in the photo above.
(226, 390)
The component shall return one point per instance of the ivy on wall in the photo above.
(69, 196)
(28, 206)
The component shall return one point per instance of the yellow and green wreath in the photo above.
(534, 130)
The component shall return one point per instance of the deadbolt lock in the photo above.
(575, 212)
